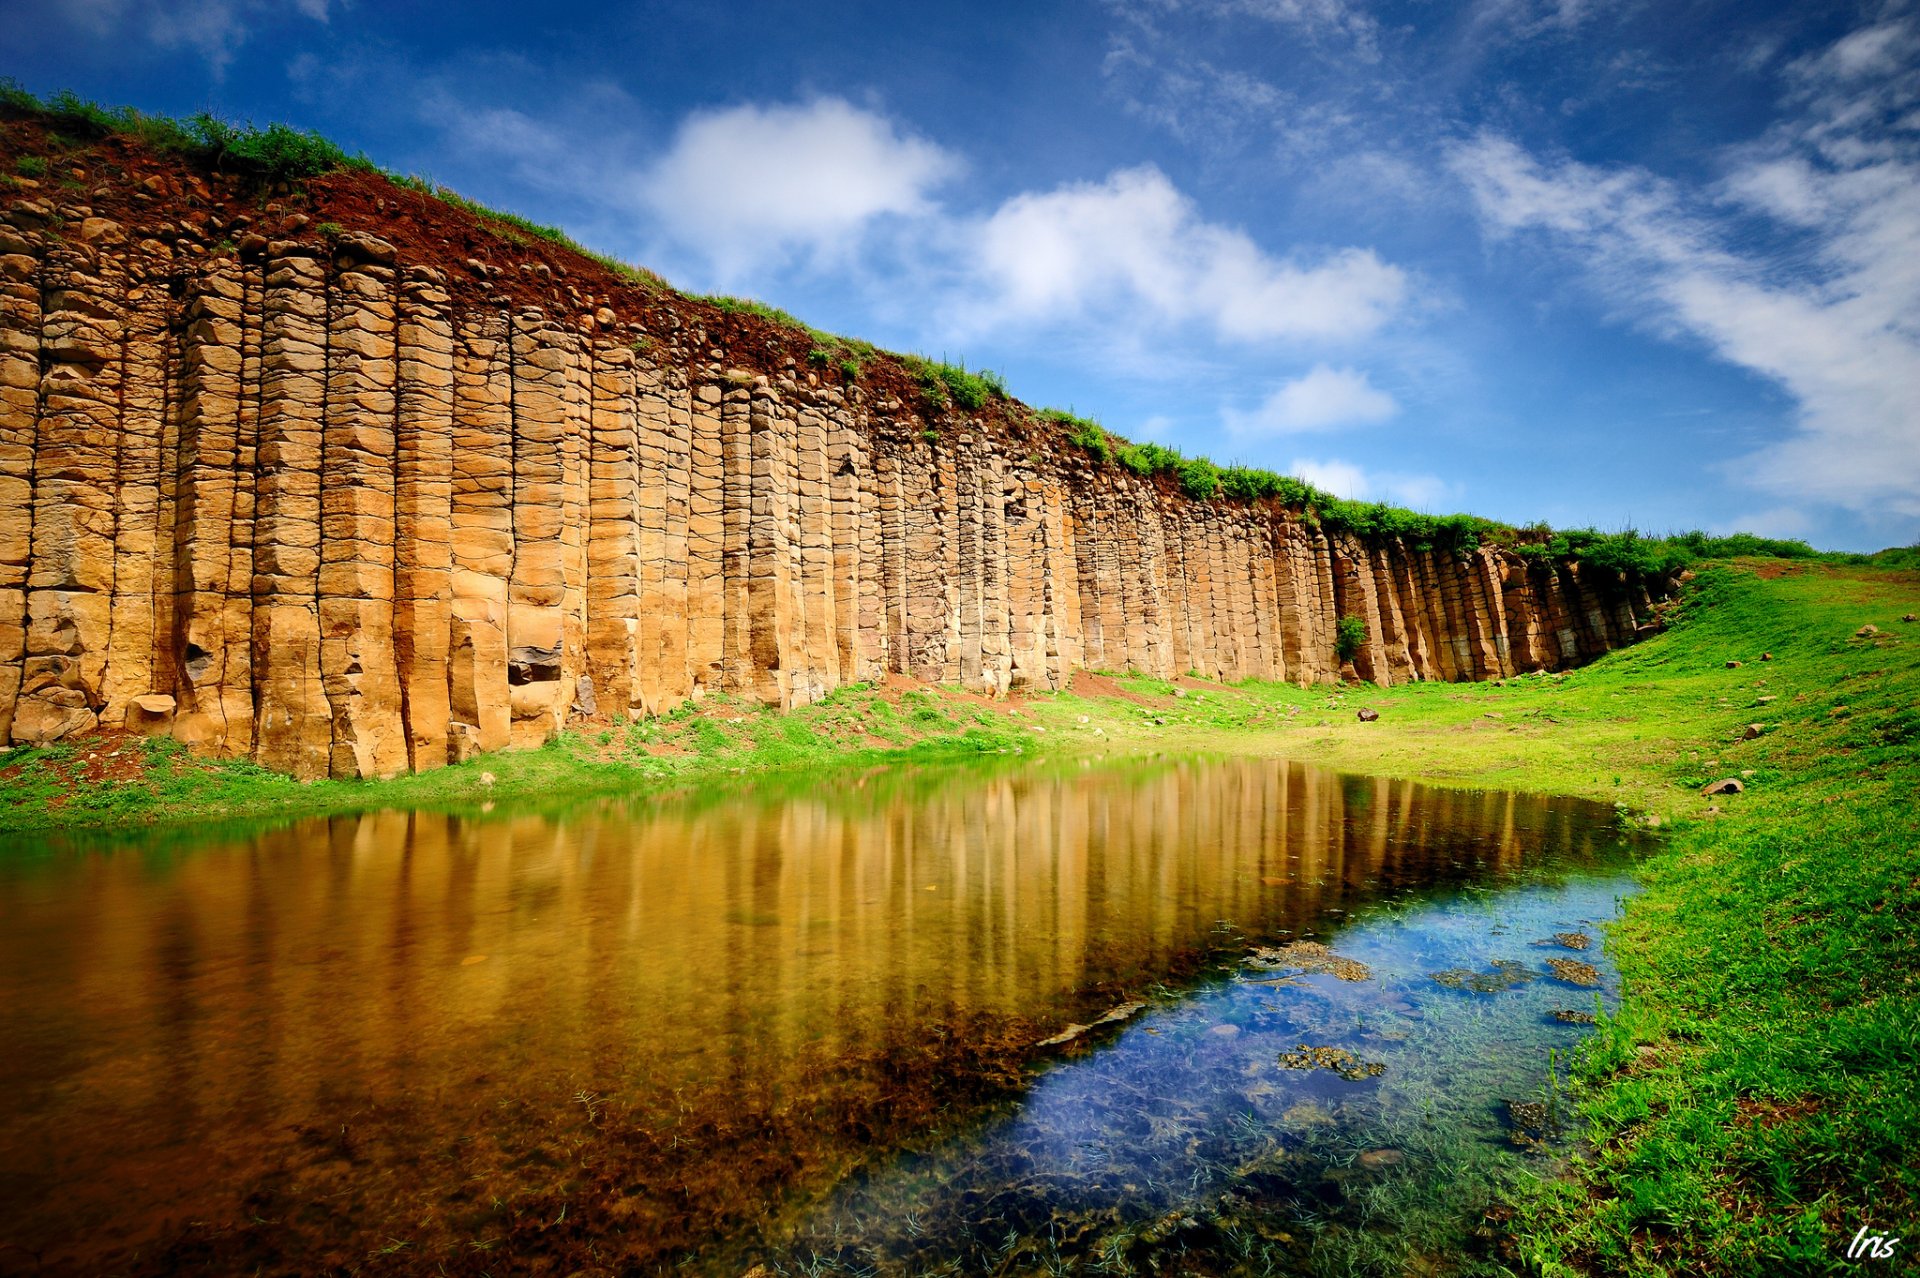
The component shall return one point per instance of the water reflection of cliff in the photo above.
(672, 1020)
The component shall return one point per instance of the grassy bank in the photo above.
(1756, 1102)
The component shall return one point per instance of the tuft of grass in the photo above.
(1083, 432)
(1349, 636)
(943, 384)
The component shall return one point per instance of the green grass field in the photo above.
(1756, 1101)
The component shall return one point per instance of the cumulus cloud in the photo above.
(1345, 479)
(1320, 399)
(1834, 320)
(1135, 243)
(751, 184)
(748, 193)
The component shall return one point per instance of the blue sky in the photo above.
(1645, 264)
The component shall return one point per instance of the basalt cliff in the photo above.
(351, 481)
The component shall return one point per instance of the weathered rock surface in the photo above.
(320, 503)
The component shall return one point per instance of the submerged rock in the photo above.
(1336, 1060)
(1503, 975)
(1311, 957)
(1574, 972)
(1530, 1120)
(1568, 1016)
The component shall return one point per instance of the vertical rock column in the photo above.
(204, 482)
(483, 534)
(144, 392)
(19, 419)
(423, 515)
(778, 553)
(626, 528)
(537, 591)
(293, 720)
(698, 404)
(358, 468)
(925, 505)
(847, 467)
(996, 622)
(76, 453)
(576, 494)
(736, 572)
(969, 568)
(820, 589)
(892, 572)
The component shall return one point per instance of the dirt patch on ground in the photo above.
(1087, 684)
(895, 686)
(1754, 1111)
(109, 757)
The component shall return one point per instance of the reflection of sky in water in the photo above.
(1189, 1103)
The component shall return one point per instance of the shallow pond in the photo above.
(824, 1026)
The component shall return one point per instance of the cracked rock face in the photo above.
(305, 501)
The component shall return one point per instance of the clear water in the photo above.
(796, 1026)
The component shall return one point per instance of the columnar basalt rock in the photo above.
(328, 503)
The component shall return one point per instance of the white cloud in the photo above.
(1835, 321)
(752, 184)
(1319, 399)
(745, 196)
(1344, 479)
(1134, 244)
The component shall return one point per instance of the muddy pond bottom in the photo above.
(1207, 1015)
